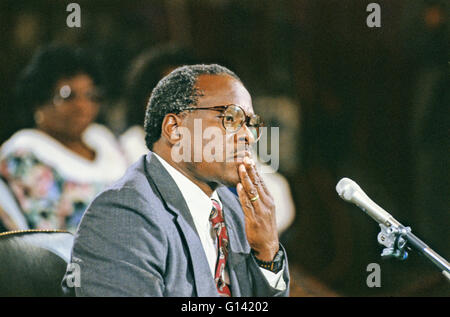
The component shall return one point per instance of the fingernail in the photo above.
(239, 186)
(242, 168)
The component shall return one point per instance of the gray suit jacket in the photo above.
(137, 238)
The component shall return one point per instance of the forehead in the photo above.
(220, 90)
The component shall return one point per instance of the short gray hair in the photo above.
(175, 93)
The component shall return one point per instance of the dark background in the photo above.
(373, 106)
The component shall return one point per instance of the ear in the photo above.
(170, 128)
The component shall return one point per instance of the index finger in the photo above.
(246, 204)
(255, 177)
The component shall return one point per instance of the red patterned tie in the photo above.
(218, 225)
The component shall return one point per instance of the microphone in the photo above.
(389, 236)
(351, 192)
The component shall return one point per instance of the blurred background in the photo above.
(371, 104)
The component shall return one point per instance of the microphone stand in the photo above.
(399, 239)
(394, 236)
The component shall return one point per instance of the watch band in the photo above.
(275, 265)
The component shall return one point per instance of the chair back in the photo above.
(33, 262)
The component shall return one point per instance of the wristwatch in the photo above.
(275, 265)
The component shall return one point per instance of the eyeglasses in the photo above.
(66, 93)
(234, 117)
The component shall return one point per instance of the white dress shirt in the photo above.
(200, 206)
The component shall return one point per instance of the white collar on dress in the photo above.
(108, 165)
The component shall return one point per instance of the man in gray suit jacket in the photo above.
(170, 227)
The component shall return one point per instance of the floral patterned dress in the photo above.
(51, 184)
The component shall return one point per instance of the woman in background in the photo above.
(55, 167)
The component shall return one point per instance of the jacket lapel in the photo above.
(175, 203)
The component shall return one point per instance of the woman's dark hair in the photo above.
(146, 71)
(48, 65)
